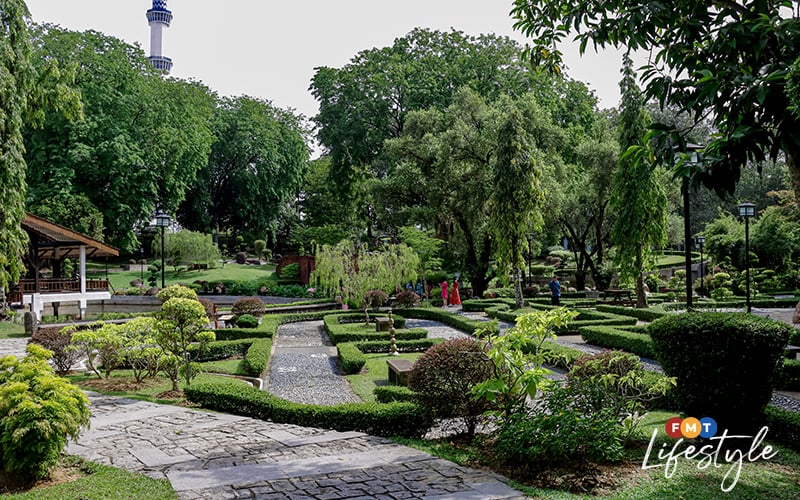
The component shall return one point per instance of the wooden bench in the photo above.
(382, 324)
(399, 370)
(226, 320)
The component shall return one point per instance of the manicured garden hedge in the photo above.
(257, 356)
(784, 426)
(559, 355)
(222, 349)
(419, 345)
(789, 378)
(642, 314)
(478, 305)
(613, 338)
(351, 358)
(585, 317)
(358, 317)
(393, 419)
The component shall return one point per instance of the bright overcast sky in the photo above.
(269, 48)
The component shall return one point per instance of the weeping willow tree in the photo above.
(350, 271)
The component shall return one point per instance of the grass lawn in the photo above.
(121, 384)
(777, 478)
(230, 366)
(121, 280)
(10, 330)
(99, 481)
(374, 373)
(673, 260)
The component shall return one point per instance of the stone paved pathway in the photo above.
(303, 369)
(210, 455)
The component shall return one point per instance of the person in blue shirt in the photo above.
(418, 288)
(555, 291)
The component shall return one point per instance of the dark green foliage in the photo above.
(247, 321)
(257, 356)
(390, 393)
(393, 419)
(559, 355)
(561, 430)
(789, 378)
(407, 299)
(585, 318)
(374, 298)
(475, 305)
(291, 272)
(613, 338)
(724, 363)
(444, 376)
(333, 319)
(221, 349)
(248, 305)
(351, 358)
(340, 336)
(237, 333)
(784, 426)
(642, 314)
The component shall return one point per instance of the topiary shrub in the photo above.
(444, 376)
(248, 305)
(408, 299)
(39, 411)
(725, 364)
(351, 358)
(259, 247)
(247, 321)
(291, 272)
(530, 291)
(174, 291)
(241, 257)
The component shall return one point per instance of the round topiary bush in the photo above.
(248, 305)
(444, 376)
(247, 321)
(725, 364)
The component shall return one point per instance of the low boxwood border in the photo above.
(789, 378)
(613, 338)
(642, 314)
(461, 323)
(350, 357)
(391, 393)
(378, 419)
(354, 332)
(784, 426)
(222, 349)
(257, 357)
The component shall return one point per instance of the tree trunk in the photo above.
(794, 173)
(580, 280)
(3, 304)
(641, 297)
(518, 301)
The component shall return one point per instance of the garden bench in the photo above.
(793, 351)
(382, 324)
(226, 320)
(399, 370)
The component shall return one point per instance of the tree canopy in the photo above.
(728, 60)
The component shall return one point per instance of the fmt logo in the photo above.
(691, 427)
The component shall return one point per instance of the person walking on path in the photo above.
(555, 291)
(455, 298)
(444, 293)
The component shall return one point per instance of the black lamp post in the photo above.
(692, 149)
(701, 269)
(747, 210)
(530, 257)
(162, 221)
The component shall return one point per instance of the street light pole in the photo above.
(162, 221)
(747, 210)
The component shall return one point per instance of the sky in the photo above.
(269, 48)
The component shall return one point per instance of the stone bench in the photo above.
(399, 370)
(793, 351)
(382, 324)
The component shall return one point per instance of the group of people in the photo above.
(453, 298)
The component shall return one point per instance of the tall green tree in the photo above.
(516, 197)
(727, 60)
(638, 196)
(16, 80)
(256, 166)
(140, 142)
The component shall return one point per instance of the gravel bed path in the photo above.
(303, 367)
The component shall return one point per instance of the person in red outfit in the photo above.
(444, 293)
(455, 298)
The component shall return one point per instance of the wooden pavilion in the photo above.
(50, 244)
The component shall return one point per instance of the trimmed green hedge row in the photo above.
(613, 338)
(393, 419)
(461, 323)
(478, 305)
(391, 393)
(584, 318)
(784, 426)
(789, 378)
(358, 317)
(256, 358)
(353, 332)
(269, 325)
(351, 358)
(222, 349)
(241, 333)
(642, 314)
(738, 302)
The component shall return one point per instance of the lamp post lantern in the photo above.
(162, 220)
(747, 210)
(693, 159)
(700, 239)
